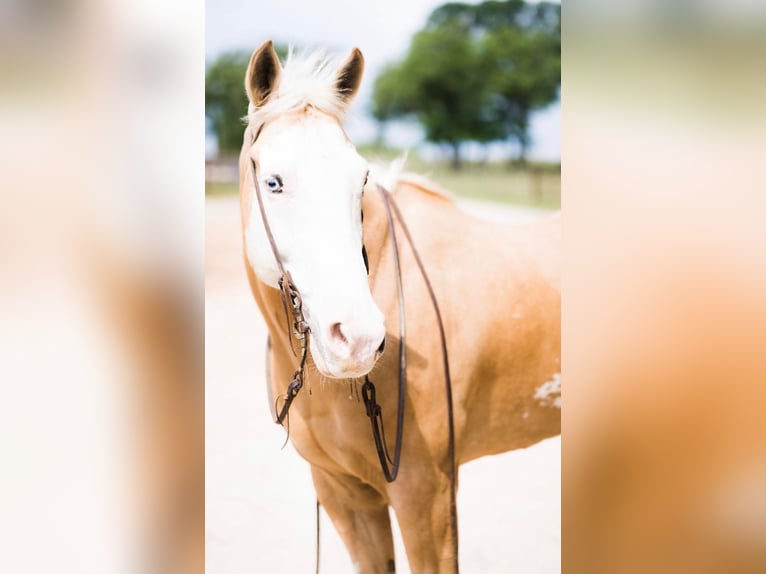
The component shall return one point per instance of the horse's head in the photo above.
(311, 180)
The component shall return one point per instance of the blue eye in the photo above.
(274, 183)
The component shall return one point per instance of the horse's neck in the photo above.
(375, 230)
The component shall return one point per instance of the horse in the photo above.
(497, 287)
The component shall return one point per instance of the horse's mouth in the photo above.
(341, 368)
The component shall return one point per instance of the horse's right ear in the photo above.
(262, 75)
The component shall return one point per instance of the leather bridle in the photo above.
(289, 294)
(291, 299)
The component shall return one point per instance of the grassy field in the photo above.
(498, 183)
(538, 185)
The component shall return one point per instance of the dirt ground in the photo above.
(260, 499)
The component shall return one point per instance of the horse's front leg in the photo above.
(360, 515)
(422, 509)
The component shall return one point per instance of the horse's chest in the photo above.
(338, 440)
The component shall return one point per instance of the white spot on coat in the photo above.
(549, 393)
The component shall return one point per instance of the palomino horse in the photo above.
(497, 286)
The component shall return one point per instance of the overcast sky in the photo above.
(381, 29)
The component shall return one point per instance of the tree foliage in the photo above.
(476, 72)
(390, 99)
(225, 98)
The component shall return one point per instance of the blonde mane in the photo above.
(391, 175)
(306, 79)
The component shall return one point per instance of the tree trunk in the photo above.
(484, 160)
(524, 139)
(380, 136)
(457, 162)
(524, 142)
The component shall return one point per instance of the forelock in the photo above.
(308, 78)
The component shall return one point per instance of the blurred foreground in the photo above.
(664, 461)
(101, 297)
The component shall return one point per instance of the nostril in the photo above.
(337, 333)
(382, 345)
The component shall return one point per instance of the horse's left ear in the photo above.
(350, 76)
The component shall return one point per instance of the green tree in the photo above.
(526, 64)
(476, 73)
(390, 99)
(225, 98)
(437, 83)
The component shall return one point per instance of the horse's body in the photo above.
(498, 291)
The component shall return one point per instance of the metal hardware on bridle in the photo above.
(300, 331)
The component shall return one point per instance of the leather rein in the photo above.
(300, 329)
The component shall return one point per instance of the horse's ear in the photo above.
(350, 76)
(262, 74)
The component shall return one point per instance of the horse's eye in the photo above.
(274, 183)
